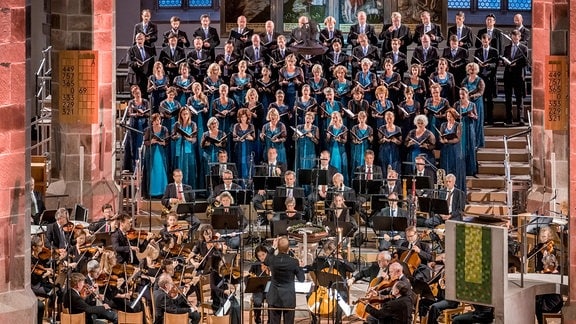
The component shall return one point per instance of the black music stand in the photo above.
(213, 180)
(266, 183)
(422, 182)
(387, 223)
(429, 202)
(347, 228)
(304, 177)
(378, 202)
(280, 227)
(185, 208)
(104, 238)
(48, 217)
(226, 221)
(321, 176)
(366, 187)
(241, 196)
(80, 213)
(256, 284)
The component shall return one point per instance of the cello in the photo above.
(322, 301)
(376, 285)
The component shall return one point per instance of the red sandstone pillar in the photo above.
(81, 25)
(16, 298)
(570, 311)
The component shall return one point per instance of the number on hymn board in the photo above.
(78, 79)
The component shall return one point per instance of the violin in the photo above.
(39, 270)
(46, 254)
(68, 227)
(136, 234)
(227, 271)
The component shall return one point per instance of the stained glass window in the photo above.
(169, 3)
(458, 4)
(489, 4)
(519, 5)
(200, 3)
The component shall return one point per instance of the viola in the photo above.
(39, 270)
(136, 234)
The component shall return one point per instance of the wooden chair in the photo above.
(547, 316)
(213, 319)
(66, 318)
(148, 310)
(205, 298)
(170, 318)
(130, 318)
(416, 305)
(448, 313)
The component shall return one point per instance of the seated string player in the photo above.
(391, 237)
(178, 193)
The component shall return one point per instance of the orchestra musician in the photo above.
(173, 229)
(74, 299)
(331, 260)
(413, 243)
(223, 289)
(223, 165)
(284, 270)
(456, 203)
(204, 247)
(391, 238)
(259, 269)
(378, 268)
(396, 310)
(170, 300)
(422, 170)
(273, 168)
(41, 276)
(290, 212)
(339, 213)
(234, 215)
(36, 203)
(228, 185)
(79, 254)
(392, 184)
(177, 192)
(125, 252)
(103, 224)
(56, 236)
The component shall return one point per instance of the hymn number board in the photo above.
(78, 76)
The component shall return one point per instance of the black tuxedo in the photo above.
(139, 71)
(121, 246)
(466, 36)
(239, 45)
(270, 44)
(277, 56)
(264, 169)
(376, 172)
(400, 64)
(488, 74)
(228, 67)
(424, 254)
(39, 206)
(429, 173)
(385, 190)
(212, 38)
(495, 42)
(355, 31)
(524, 35)
(182, 38)
(434, 30)
(54, 237)
(330, 61)
(77, 305)
(458, 204)
(430, 62)
(220, 189)
(261, 60)
(327, 41)
(358, 55)
(171, 192)
(164, 304)
(215, 169)
(151, 34)
(199, 69)
(514, 80)
(281, 293)
(402, 33)
(394, 311)
(369, 272)
(457, 63)
(170, 61)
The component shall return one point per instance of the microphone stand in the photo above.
(316, 192)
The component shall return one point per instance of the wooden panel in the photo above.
(78, 81)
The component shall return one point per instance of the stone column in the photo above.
(17, 300)
(86, 25)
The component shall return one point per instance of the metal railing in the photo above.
(507, 166)
(42, 121)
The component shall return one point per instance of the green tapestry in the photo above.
(474, 263)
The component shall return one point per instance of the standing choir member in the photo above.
(475, 86)
(155, 173)
(336, 139)
(468, 118)
(243, 135)
(362, 135)
(274, 135)
(390, 139)
(185, 137)
(306, 138)
(420, 140)
(451, 158)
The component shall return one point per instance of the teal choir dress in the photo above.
(389, 152)
(157, 90)
(243, 149)
(280, 133)
(338, 153)
(451, 159)
(185, 153)
(358, 149)
(155, 171)
(468, 139)
(184, 87)
(476, 95)
(243, 84)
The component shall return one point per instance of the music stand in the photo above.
(185, 208)
(223, 220)
(280, 227)
(213, 180)
(241, 196)
(378, 202)
(80, 213)
(256, 284)
(304, 177)
(321, 175)
(387, 223)
(347, 228)
(429, 203)
(266, 183)
(48, 216)
(366, 187)
(422, 182)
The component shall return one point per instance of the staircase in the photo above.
(488, 192)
